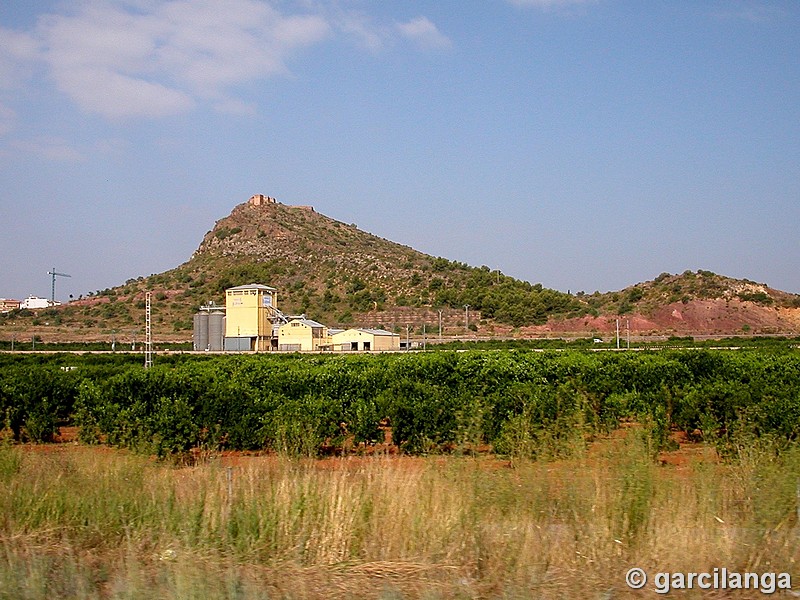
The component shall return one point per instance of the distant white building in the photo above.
(34, 302)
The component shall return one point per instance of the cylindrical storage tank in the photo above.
(216, 330)
(200, 332)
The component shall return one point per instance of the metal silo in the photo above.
(216, 330)
(200, 333)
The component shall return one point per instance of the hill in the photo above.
(329, 270)
(341, 275)
(690, 303)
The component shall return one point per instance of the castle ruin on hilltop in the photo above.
(262, 200)
(259, 199)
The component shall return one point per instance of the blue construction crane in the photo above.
(55, 274)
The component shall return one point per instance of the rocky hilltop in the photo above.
(341, 275)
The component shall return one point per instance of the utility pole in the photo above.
(617, 334)
(148, 344)
(466, 318)
(440, 325)
(628, 328)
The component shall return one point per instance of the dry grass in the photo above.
(91, 523)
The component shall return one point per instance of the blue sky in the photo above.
(584, 144)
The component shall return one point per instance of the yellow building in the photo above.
(249, 314)
(365, 339)
(303, 335)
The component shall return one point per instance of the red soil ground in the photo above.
(688, 451)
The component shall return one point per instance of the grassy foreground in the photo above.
(79, 522)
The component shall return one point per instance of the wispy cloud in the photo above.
(119, 62)
(375, 36)
(422, 32)
(361, 28)
(18, 50)
(154, 58)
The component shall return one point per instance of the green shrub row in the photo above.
(519, 402)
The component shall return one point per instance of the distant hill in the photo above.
(341, 275)
(700, 303)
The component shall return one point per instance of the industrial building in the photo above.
(364, 339)
(245, 323)
(303, 335)
(250, 314)
(250, 321)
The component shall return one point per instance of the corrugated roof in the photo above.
(378, 332)
(364, 330)
(254, 286)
